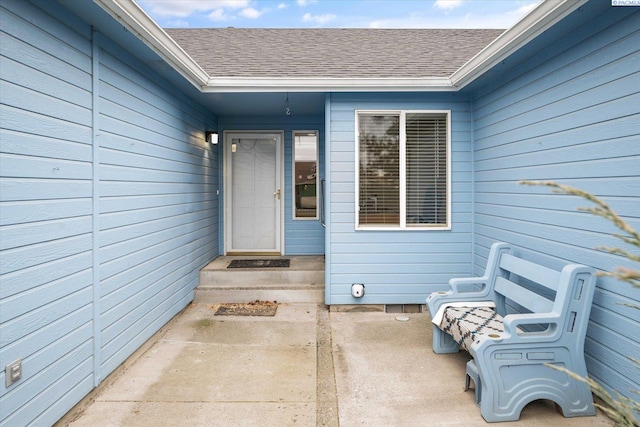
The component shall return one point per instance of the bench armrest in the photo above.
(513, 322)
(436, 299)
(457, 282)
(513, 334)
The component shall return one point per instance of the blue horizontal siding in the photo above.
(152, 150)
(45, 27)
(571, 114)
(27, 302)
(395, 266)
(42, 273)
(115, 183)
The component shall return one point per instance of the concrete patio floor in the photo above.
(305, 366)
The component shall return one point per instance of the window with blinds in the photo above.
(403, 172)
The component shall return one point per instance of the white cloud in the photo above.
(282, 6)
(178, 23)
(448, 4)
(522, 11)
(318, 19)
(250, 13)
(305, 2)
(218, 15)
(504, 19)
(184, 8)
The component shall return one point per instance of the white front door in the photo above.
(253, 189)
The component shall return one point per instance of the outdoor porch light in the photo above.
(212, 137)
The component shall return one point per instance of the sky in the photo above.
(337, 13)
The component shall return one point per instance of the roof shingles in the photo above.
(331, 53)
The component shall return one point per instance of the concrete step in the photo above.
(302, 282)
(282, 294)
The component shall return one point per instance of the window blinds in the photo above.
(426, 169)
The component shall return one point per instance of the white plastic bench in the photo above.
(515, 319)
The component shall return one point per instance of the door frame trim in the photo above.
(227, 135)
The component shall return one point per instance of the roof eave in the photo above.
(132, 17)
(136, 20)
(541, 18)
(310, 84)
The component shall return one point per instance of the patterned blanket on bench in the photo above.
(464, 324)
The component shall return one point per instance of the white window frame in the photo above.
(403, 172)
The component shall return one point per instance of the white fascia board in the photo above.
(136, 20)
(238, 84)
(541, 18)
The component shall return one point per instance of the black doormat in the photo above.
(259, 263)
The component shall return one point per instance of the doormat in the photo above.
(255, 308)
(260, 263)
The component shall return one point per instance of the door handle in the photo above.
(322, 219)
(277, 193)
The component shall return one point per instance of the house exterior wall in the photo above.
(301, 237)
(396, 267)
(107, 207)
(569, 114)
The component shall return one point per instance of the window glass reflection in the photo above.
(305, 152)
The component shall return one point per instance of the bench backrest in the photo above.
(539, 289)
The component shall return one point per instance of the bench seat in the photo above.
(465, 324)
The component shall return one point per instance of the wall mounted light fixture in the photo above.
(212, 137)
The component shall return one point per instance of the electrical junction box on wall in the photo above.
(13, 372)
